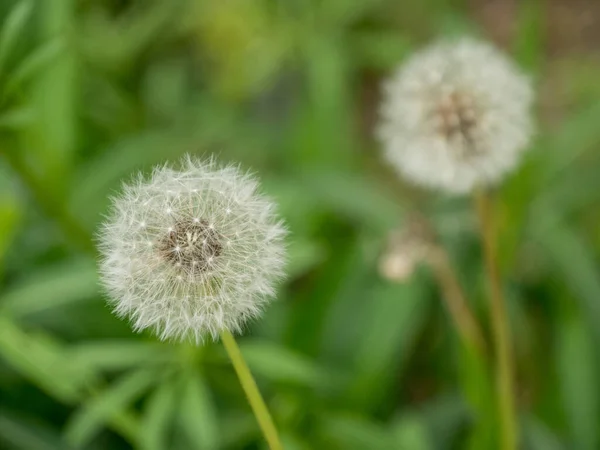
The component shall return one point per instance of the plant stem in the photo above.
(453, 294)
(500, 325)
(456, 302)
(256, 401)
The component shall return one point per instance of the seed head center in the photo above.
(191, 245)
(455, 117)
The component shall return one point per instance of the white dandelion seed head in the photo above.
(455, 116)
(193, 252)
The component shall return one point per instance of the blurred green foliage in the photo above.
(91, 91)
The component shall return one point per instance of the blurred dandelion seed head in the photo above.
(397, 266)
(456, 115)
(406, 248)
(190, 253)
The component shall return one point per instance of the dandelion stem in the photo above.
(456, 302)
(255, 399)
(453, 294)
(500, 325)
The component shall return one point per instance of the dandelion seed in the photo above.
(455, 116)
(207, 258)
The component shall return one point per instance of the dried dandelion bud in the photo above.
(193, 252)
(455, 116)
(406, 249)
(397, 265)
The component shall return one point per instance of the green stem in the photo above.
(256, 401)
(456, 301)
(500, 325)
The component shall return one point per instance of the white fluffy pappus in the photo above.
(455, 116)
(193, 252)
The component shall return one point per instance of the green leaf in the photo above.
(242, 430)
(276, 363)
(446, 416)
(53, 287)
(395, 317)
(354, 433)
(42, 360)
(12, 27)
(347, 279)
(450, 22)
(9, 218)
(537, 436)
(341, 13)
(562, 147)
(301, 211)
(327, 109)
(198, 414)
(291, 441)
(54, 93)
(101, 176)
(33, 63)
(578, 375)
(158, 415)
(381, 49)
(24, 434)
(355, 197)
(479, 391)
(573, 263)
(165, 89)
(239, 70)
(303, 255)
(574, 191)
(529, 40)
(313, 309)
(119, 355)
(410, 432)
(109, 403)
(17, 118)
(115, 44)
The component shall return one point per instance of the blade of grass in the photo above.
(394, 318)
(578, 375)
(110, 402)
(198, 414)
(32, 64)
(158, 417)
(11, 28)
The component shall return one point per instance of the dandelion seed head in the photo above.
(397, 266)
(193, 252)
(456, 115)
(406, 248)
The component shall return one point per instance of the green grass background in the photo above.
(91, 91)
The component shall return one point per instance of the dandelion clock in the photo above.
(194, 253)
(456, 116)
